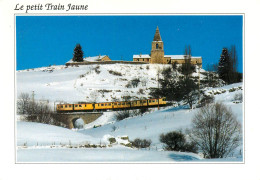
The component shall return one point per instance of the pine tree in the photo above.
(227, 67)
(78, 54)
(224, 66)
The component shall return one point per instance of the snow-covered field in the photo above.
(45, 143)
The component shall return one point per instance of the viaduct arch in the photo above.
(70, 118)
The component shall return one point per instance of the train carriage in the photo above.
(104, 106)
(64, 107)
(84, 107)
(121, 105)
(111, 105)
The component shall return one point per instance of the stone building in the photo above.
(157, 55)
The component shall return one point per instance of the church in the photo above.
(157, 55)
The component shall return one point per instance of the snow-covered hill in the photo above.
(43, 143)
(103, 82)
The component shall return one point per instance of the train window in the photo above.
(85, 105)
(119, 103)
(65, 106)
(109, 104)
(76, 105)
(80, 105)
(69, 105)
(123, 103)
(115, 103)
(153, 100)
(150, 101)
(105, 104)
(102, 104)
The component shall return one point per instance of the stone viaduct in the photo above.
(69, 119)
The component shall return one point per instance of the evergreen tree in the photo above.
(227, 67)
(224, 66)
(78, 54)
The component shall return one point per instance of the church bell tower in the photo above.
(157, 52)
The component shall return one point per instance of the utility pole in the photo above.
(199, 81)
(33, 96)
(33, 101)
(158, 85)
(54, 109)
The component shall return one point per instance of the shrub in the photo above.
(115, 73)
(114, 128)
(176, 141)
(128, 85)
(97, 69)
(112, 140)
(143, 110)
(141, 143)
(206, 99)
(135, 82)
(141, 91)
(238, 97)
(232, 89)
(120, 115)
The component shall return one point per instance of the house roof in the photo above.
(179, 56)
(171, 56)
(90, 59)
(93, 58)
(142, 56)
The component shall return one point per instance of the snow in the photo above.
(33, 134)
(117, 154)
(73, 84)
(142, 56)
(79, 123)
(90, 59)
(46, 143)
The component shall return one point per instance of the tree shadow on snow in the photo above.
(176, 108)
(182, 157)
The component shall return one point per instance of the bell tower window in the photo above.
(157, 46)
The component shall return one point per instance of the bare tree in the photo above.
(188, 91)
(94, 96)
(43, 112)
(216, 131)
(187, 67)
(23, 103)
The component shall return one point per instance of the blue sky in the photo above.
(48, 40)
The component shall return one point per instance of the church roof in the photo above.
(157, 36)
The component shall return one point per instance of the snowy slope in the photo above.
(151, 125)
(73, 84)
(33, 134)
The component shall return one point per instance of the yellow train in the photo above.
(111, 105)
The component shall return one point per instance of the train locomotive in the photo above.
(114, 106)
